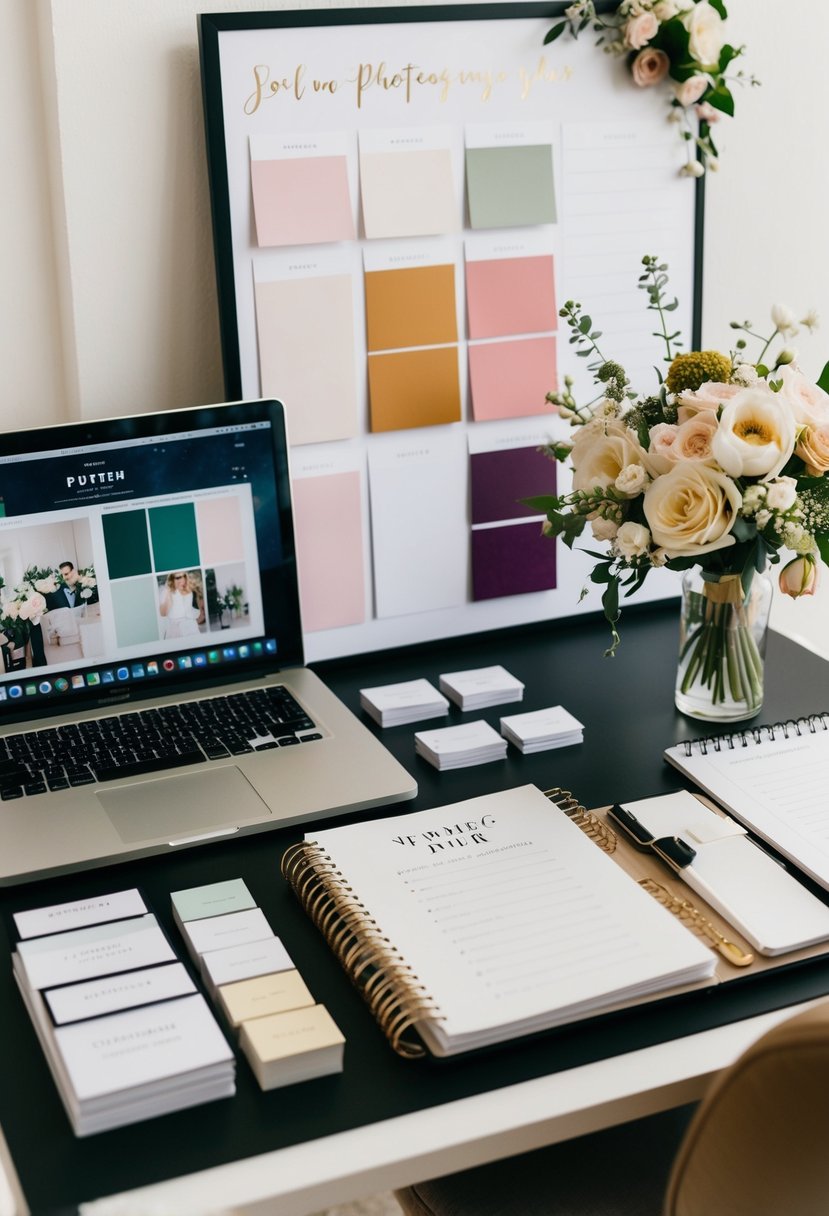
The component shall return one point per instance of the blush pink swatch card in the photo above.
(301, 200)
(511, 379)
(329, 537)
(507, 296)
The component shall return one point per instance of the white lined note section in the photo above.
(624, 198)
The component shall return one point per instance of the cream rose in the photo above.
(600, 451)
(650, 67)
(691, 510)
(639, 30)
(11, 610)
(603, 529)
(632, 540)
(709, 396)
(756, 434)
(808, 403)
(813, 449)
(706, 35)
(33, 607)
(689, 91)
(632, 480)
(665, 9)
(694, 437)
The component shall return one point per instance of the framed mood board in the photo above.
(403, 198)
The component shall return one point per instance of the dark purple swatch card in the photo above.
(512, 560)
(501, 479)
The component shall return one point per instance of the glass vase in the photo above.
(722, 645)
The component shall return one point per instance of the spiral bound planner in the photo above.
(468, 925)
(774, 779)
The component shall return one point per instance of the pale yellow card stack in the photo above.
(285, 1036)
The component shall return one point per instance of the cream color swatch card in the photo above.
(290, 1034)
(264, 995)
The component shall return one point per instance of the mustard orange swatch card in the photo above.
(411, 307)
(507, 296)
(510, 379)
(414, 388)
(298, 321)
(329, 538)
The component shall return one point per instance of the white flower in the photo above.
(692, 168)
(691, 510)
(11, 610)
(811, 320)
(784, 319)
(46, 585)
(32, 608)
(606, 408)
(781, 494)
(631, 481)
(86, 594)
(755, 436)
(754, 498)
(709, 396)
(745, 375)
(663, 10)
(632, 540)
(706, 35)
(639, 30)
(603, 529)
(658, 558)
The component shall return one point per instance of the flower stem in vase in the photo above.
(723, 628)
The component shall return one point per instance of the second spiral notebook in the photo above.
(487, 920)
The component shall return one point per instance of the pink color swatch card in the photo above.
(328, 522)
(510, 379)
(300, 189)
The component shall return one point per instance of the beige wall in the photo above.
(109, 302)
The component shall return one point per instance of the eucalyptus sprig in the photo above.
(653, 281)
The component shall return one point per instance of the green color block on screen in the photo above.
(135, 607)
(510, 187)
(127, 543)
(173, 530)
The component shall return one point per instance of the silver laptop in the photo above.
(152, 693)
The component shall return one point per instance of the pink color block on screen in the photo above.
(329, 538)
(302, 201)
(220, 531)
(511, 296)
(511, 379)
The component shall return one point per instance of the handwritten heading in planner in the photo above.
(405, 82)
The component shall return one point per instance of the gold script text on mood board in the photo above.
(406, 81)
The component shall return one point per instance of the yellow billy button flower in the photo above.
(689, 371)
(799, 576)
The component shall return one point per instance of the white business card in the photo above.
(140, 1046)
(480, 680)
(244, 962)
(541, 723)
(57, 918)
(235, 929)
(93, 998)
(449, 740)
(84, 954)
(403, 696)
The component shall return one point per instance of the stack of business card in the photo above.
(285, 1036)
(125, 1033)
(542, 729)
(397, 704)
(460, 746)
(481, 687)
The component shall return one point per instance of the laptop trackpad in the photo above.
(174, 808)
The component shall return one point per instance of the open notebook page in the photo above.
(510, 917)
(777, 787)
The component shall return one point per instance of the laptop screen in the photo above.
(152, 550)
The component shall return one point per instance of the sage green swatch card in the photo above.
(510, 187)
(215, 899)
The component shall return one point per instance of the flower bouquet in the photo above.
(723, 466)
(681, 43)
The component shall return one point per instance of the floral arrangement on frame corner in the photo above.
(716, 473)
(23, 606)
(680, 43)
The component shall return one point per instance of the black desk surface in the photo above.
(626, 705)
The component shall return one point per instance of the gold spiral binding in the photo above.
(393, 993)
(590, 824)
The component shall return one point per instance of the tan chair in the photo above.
(757, 1145)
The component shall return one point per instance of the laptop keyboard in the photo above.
(150, 740)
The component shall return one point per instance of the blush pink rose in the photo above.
(808, 403)
(639, 31)
(709, 396)
(693, 438)
(661, 454)
(690, 90)
(650, 67)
